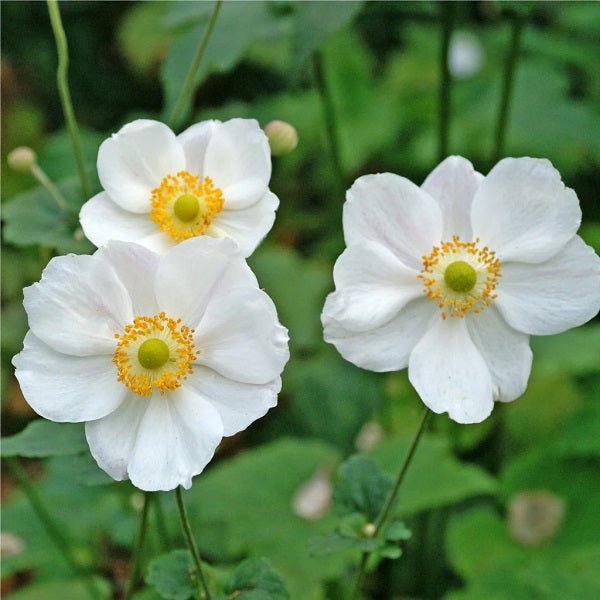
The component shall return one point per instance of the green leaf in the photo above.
(396, 531)
(86, 471)
(173, 575)
(254, 576)
(45, 438)
(331, 543)
(69, 589)
(361, 487)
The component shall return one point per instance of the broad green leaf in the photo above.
(255, 578)
(330, 543)
(173, 575)
(43, 438)
(85, 470)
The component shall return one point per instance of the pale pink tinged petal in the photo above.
(394, 212)
(250, 225)
(67, 388)
(103, 220)
(372, 286)
(453, 184)
(385, 348)
(193, 271)
(505, 351)
(523, 211)
(134, 161)
(547, 298)
(176, 438)
(238, 160)
(449, 373)
(238, 404)
(78, 305)
(240, 337)
(194, 141)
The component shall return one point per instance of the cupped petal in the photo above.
(506, 353)
(523, 211)
(372, 286)
(547, 298)
(78, 305)
(449, 373)
(194, 141)
(453, 184)
(134, 161)
(247, 226)
(385, 348)
(67, 388)
(238, 160)
(193, 271)
(238, 404)
(394, 212)
(240, 337)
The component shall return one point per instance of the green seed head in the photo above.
(153, 353)
(460, 276)
(186, 208)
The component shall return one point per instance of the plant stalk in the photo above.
(47, 184)
(138, 548)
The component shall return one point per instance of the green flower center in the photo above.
(186, 207)
(153, 353)
(460, 276)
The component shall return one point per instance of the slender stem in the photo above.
(161, 525)
(389, 503)
(447, 8)
(52, 529)
(65, 94)
(190, 81)
(518, 22)
(330, 117)
(47, 184)
(139, 545)
(191, 542)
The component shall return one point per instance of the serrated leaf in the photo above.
(253, 576)
(43, 438)
(172, 575)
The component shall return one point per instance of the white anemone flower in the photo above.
(160, 356)
(449, 279)
(161, 189)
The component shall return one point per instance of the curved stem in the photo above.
(447, 9)
(189, 83)
(65, 94)
(390, 501)
(47, 184)
(191, 542)
(137, 551)
(507, 86)
(52, 529)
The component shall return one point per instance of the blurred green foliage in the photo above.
(381, 67)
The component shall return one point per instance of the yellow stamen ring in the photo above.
(154, 353)
(184, 206)
(460, 276)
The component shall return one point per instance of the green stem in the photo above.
(65, 94)
(188, 85)
(447, 8)
(161, 525)
(390, 502)
(139, 546)
(518, 22)
(47, 184)
(191, 542)
(54, 532)
(330, 117)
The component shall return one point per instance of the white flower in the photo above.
(160, 189)
(160, 356)
(450, 279)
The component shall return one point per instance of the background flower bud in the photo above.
(283, 137)
(21, 159)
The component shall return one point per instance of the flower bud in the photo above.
(283, 137)
(21, 159)
(369, 530)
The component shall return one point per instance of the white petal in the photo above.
(134, 161)
(248, 226)
(67, 388)
(553, 296)
(240, 337)
(523, 211)
(449, 373)
(193, 271)
(158, 242)
(238, 404)
(506, 353)
(394, 212)
(78, 305)
(194, 141)
(453, 184)
(372, 286)
(386, 348)
(238, 160)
